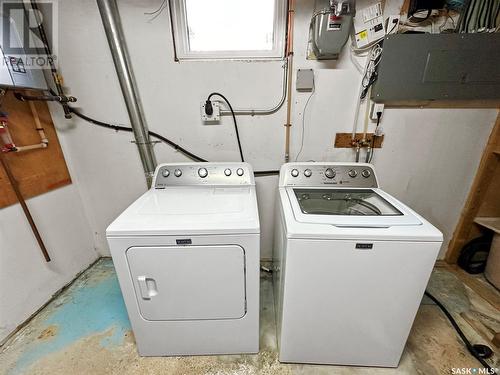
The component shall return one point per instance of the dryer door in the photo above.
(189, 282)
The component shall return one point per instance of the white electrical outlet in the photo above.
(374, 109)
(214, 117)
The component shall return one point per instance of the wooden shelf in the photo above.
(492, 223)
(439, 103)
(482, 206)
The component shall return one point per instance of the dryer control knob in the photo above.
(330, 173)
(227, 172)
(202, 172)
(295, 173)
(240, 172)
(352, 173)
(366, 173)
(178, 173)
(308, 173)
(165, 173)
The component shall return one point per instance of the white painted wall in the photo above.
(26, 280)
(428, 160)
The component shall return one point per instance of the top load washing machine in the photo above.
(351, 264)
(187, 258)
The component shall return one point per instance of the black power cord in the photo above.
(379, 116)
(172, 144)
(209, 111)
(127, 129)
(478, 351)
(161, 138)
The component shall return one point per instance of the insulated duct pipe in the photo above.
(114, 32)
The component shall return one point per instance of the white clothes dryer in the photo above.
(187, 258)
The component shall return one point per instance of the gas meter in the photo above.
(330, 27)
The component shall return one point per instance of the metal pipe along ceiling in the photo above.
(114, 32)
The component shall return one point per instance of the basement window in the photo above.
(229, 29)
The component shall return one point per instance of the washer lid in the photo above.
(346, 207)
(406, 227)
(192, 210)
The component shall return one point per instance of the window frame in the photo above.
(178, 16)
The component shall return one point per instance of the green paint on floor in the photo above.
(85, 330)
(91, 305)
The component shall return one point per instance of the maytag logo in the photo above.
(184, 241)
(364, 246)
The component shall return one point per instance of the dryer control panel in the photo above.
(192, 174)
(352, 175)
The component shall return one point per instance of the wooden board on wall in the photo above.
(344, 140)
(483, 199)
(37, 171)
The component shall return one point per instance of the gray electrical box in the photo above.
(423, 67)
(305, 80)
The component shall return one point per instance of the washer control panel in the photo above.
(203, 174)
(317, 174)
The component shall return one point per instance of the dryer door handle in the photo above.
(147, 287)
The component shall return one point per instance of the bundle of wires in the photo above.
(370, 75)
(117, 128)
(480, 16)
(162, 138)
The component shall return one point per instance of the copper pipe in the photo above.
(38, 123)
(289, 53)
(20, 198)
(30, 147)
(44, 142)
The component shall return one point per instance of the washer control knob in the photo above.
(165, 173)
(330, 173)
(178, 173)
(227, 172)
(308, 173)
(366, 173)
(202, 172)
(295, 173)
(240, 172)
(352, 173)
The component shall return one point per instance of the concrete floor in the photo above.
(85, 330)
